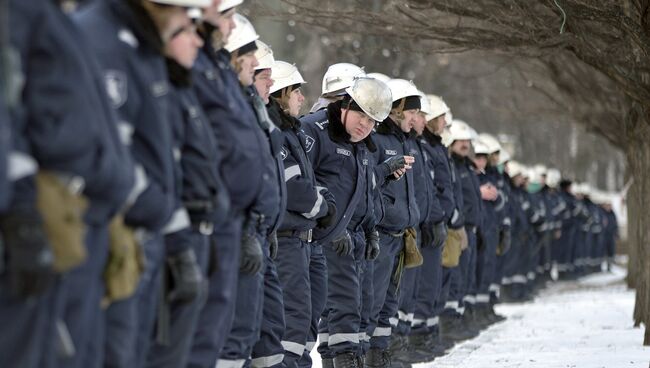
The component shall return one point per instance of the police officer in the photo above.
(400, 213)
(425, 339)
(266, 212)
(303, 278)
(242, 145)
(202, 194)
(338, 145)
(462, 286)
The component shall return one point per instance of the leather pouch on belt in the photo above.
(125, 262)
(62, 207)
(452, 248)
(412, 256)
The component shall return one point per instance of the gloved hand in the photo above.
(428, 237)
(327, 220)
(30, 261)
(439, 234)
(187, 281)
(372, 245)
(343, 244)
(273, 245)
(251, 258)
(505, 241)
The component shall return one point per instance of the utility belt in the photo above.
(304, 235)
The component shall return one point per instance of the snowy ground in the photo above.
(583, 324)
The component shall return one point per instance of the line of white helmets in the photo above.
(346, 78)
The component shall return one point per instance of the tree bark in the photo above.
(638, 154)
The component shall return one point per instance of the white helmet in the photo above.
(264, 56)
(185, 3)
(533, 176)
(243, 34)
(227, 4)
(490, 141)
(553, 177)
(373, 97)
(514, 168)
(540, 169)
(425, 106)
(460, 130)
(284, 75)
(480, 148)
(382, 77)
(438, 107)
(585, 189)
(401, 88)
(505, 156)
(340, 76)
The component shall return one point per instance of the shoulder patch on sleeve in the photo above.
(116, 87)
(284, 153)
(309, 143)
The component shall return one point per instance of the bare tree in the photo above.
(591, 58)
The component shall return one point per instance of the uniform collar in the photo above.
(432, 138)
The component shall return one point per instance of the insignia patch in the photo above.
(342, 151)
(309, 143)
(116, 87)
(365, 162)
(127, 37)
(159, 89)
(390, 152)
(284, 153)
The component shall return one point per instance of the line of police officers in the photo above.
(163, 204)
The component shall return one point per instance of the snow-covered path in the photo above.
(583, 324)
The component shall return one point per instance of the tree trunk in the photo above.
(638, 155)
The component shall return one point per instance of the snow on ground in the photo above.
(581, 324)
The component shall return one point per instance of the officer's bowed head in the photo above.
(368, 100)
(406, 103)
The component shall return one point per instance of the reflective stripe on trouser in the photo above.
(341, 318)
(318, 280)
(292, 265)
(366, 276)
(83, 290)
(246, 326)
(470, 284)
(183, 319)
(486, 261)
(385, 290)
(406, 301)
(217, 313)
(460, 275)
(268, 350)
(429, 291)
(148, 295)
(25, 327)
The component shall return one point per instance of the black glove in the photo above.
(251, 258)
(273, 245)
(327, 220)
(343, 244)
(372, 245)
(395, 163)
(187, 282)
(30, 261)
(428, 236)
(439, 234)
(505, 241)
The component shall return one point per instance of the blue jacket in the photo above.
(272, 199)
(495, 213)
(431, 211)
(439, 161)
(128, 47)
(458, 217)
(5, 149)
(65, 119)
(240, 141)
(472, 203)
(400, 208)
(306, 202)
(201, 190)
(339, 165)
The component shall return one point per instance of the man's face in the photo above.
(420, 123)
(224, 22)
(183, 43)
(518, 180)
(439, 124)
(461, 147)
(263, 84)
(494, 158)
(357, 124)
(481, 162)
(247, 63)
(409, 120)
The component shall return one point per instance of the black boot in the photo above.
(327, 362)
(422, 349)
(346, 360)
(453, 328)
(377, 358)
